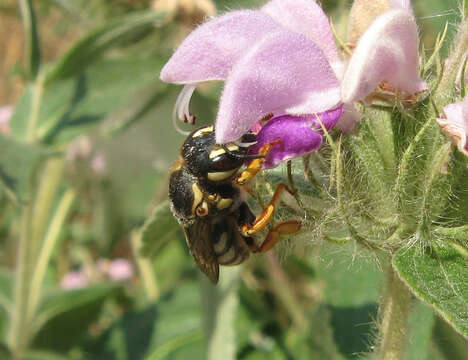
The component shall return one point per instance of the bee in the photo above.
(208, 198)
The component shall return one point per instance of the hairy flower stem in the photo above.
(393, 318)
(453, 63)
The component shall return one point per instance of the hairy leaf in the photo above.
(438, 275)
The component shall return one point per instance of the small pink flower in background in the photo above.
(120, 270)
(99, 163)
(455, 124)
(5, 115)
(74, 280)
(117, 270)
(80, 148)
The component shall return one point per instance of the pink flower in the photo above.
(386, 53)
(120, 270)
(455, 124)
(282, 60)
(74, 280)
(5, 115)
(271, 64)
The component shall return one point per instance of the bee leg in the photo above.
(256, 165)
(248, 229)
(273, 236)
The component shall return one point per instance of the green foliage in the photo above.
(32, 48)
(18, 162)
(71, 107)
(92, 46)
(393, 190)
(77, 307)
(350, 281)
(437, 275)
(158, 229)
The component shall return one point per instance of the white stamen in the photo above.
(181, 110)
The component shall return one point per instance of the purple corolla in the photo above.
(281, 62)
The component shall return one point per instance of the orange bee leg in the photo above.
(273, 236)
(267, 214)
(256, 165)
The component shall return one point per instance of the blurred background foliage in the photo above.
(88, 82)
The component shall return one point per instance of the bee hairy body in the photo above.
(207, 204)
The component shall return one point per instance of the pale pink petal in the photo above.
(456, 123)
(210, 51)
(349, 118)
(387, 52)
(405, 4)
(306, 17)
(285, 73)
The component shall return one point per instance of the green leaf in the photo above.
(6, 288)
(438, 276)
(70, 107)
(17, 164)
(165, 329)
(419, 333)
(32, 48)
(65, 316)
(94, 44)
(4, 352)
(349, 280)
(158, 228)
(42, 355)
(358, 318)
(175, 344)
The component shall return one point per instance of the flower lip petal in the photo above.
(299, 135)
(305, 17)
(210, 51)
(285, 73)
(387, 52)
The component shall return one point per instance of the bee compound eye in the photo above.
(202, 209)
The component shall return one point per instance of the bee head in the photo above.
(212, 162)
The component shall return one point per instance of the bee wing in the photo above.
(198, 237)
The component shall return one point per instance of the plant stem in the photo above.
(43, 201)
(49, 244)
(18, 335)
(394, 316)
(35, 217)
(37, 89)
(220, 304)
(144, 267)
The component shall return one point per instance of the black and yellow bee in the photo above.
(207, 196)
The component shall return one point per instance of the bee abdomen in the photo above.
(228, 245)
